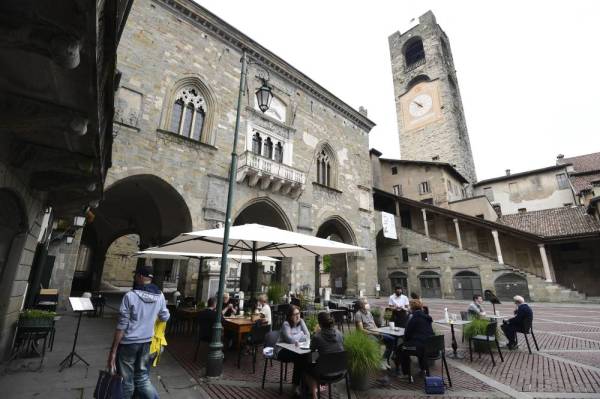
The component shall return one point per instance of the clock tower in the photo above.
(431, 120)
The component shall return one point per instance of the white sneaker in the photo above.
(385, 365)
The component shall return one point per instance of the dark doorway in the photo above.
(399, 279)
(467, 284)
(405, 219)
(511, 284)
(430, 285)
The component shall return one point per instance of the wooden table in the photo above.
(452, 323)
(239, 326)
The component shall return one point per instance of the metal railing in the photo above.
(270, 167)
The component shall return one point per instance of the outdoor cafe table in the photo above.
(293, 348)
(452, 323)
(497, 317)
(239, 326)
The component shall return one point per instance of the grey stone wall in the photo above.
(447, 138)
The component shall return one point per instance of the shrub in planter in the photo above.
(36, 318)
(364, 358)
(477, 327)
(311, 323)
(376, 312)
(275, 292)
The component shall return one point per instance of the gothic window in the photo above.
(268, 148)
(326, 167)
(279, 153)
(257, 144)
(414, 53)
(188, 113)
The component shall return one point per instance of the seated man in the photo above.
(475, 310)
(264, 309)
(418, 329)
(521, 321)
(206, 320)
(365, 322)
(229, 306)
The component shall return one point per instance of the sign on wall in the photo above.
(389, 225)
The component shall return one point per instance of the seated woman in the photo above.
(293, 331)
(417, 330)
(326, 340)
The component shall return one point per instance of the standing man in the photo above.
(521, 322)
(399, 304)
(475, 310)
(130, 352)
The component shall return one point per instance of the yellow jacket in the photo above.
(158, 340)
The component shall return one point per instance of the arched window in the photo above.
(279, 153)
(268, 148)
(414, 53)
(257, 144)
(326, 167)
(188, 114)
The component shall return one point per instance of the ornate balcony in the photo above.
(269, 174)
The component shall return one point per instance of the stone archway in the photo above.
(510, 284)
(144, 205)
(430, 284)
(343, 274)
(13, 234)
(467, 284)
(248, 277)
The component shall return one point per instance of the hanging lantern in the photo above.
(264, 95)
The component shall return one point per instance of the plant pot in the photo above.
(37, 322)
(359, 382)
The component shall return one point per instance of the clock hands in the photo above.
(419, 104)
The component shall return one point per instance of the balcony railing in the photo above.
(269, 174)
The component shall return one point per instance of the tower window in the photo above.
(424, 188)
(414, 53)
(404, 254)
(398, 190)
(424, 257)
(394, 170)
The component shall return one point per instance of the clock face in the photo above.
(420, 105)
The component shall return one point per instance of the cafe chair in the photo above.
(338, 318)
(488, 338)
(254, 339)
(464, 316)
(528, 329)
(205, 330)
(435, 348)
(347, 315)
(270, 341)
(331, 368)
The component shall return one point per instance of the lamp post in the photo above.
(264, 95)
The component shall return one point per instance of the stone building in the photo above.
(429, 109)
(584, 173)
(532, 190)
(303, 165)
(57, 76)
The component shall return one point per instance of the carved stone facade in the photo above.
(169, 42)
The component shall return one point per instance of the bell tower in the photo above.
(429, 109)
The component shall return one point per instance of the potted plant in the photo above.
(364, 358)
(311, 323)
(35, 318)
(387, 316)
(477, 327)
(376, 312)
(275, 293)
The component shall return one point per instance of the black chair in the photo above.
(464, 316)
(488, 338)
(205, 330)
(254, 339)
(526, 330)
(347, 315)
(270, 341)
(435, 348)
(330, 368)
(338, 318)
(332, 305)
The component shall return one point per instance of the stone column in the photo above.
(497, 244)
(457, 228)
(425, 222)
(547, 273)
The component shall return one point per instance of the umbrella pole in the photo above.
(214, 366)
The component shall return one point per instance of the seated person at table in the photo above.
(326, 340)
(293, 331)
(523, 317)
(399, 304)
(264, 309)
(206, 319)
(365, 322)
(417, 330)
(475, 310)
(229, 306)
(414, 295)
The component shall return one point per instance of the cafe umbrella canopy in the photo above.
(155, 254)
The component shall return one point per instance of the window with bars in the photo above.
(188, 114)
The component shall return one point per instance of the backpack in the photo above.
(434, 385)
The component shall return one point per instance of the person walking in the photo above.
(130, 351)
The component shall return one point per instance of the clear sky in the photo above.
(527, 70)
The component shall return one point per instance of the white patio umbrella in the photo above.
(155, 254)
(256, 240)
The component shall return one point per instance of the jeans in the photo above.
(389, 341)
(133, 361)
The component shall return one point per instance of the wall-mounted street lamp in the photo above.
(264, 95)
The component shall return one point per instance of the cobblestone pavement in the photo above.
(567, 365)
